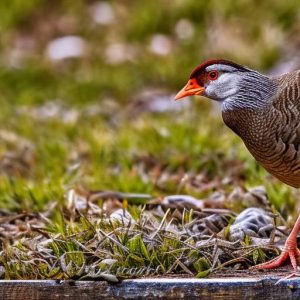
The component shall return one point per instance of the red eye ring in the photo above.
(213, 75)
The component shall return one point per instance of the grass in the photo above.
(85, 123)
(112, 248)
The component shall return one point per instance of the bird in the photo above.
(264, 112)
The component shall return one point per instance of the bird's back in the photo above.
(272, 133)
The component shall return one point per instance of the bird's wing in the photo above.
(287, 106)
(289, 87)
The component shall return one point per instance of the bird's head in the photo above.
(229, 83)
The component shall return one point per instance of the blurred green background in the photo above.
(86, 92)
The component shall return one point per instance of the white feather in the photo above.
(225, 86)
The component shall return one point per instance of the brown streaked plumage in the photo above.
(265, 113)
(272, 133)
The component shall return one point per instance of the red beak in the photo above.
(191, 88)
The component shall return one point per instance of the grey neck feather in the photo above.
(254, 91)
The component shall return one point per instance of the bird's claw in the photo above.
(291, 252)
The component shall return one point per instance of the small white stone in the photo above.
(160, 44)
(109, 261)
(183, 201)
(163, 103)
(184, 29)
(118, 53)
(102, 13)
(66, 47)
(122, 215)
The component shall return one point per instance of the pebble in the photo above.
(183, 201)
(184, 29)
(254, 222)
(122, 215)
(102, 13)
(66, 47)
(160, 44)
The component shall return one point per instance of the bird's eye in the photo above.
(213, 75)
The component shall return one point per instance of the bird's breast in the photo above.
(273, 138)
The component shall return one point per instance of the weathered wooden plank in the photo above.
(152, 288)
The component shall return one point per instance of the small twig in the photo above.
(161, 224)
(113, 240)
(105, 195)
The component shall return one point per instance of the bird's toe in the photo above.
(292, 253)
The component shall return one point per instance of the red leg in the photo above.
(290, 251)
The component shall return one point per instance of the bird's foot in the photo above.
(290, 251)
